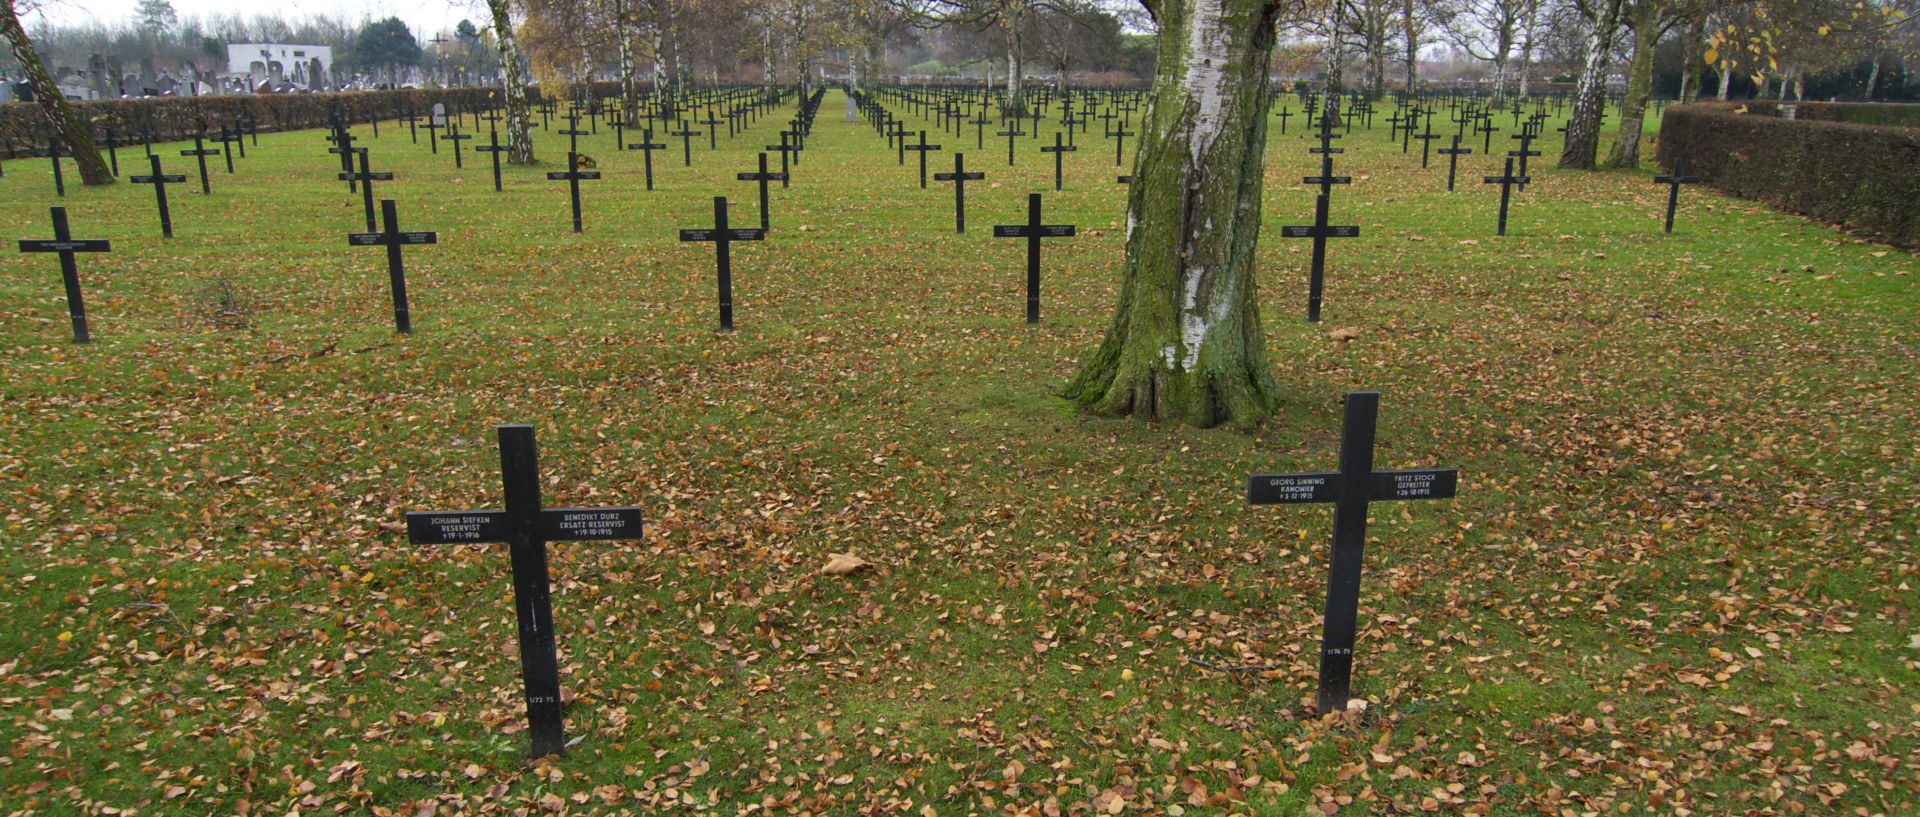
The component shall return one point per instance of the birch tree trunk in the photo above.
(1873, 77)
(1527, 33)
(67, 125)
(1590, 96)
(1726, 80)
(1016, 70)
(1647, 29)
(514, 84)
(1412, 25)
(1690, 58)
(629, 60)
(1185, 344)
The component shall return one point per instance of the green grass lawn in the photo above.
(1678, 575)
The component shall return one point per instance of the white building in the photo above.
(308, 66)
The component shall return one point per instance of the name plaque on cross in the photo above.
(1350, 489)
(526, 528)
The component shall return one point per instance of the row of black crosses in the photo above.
(526, 525)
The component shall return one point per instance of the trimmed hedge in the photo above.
(1864, 178)
(1861, 113)
(24, 128)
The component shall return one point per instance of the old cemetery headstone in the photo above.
(1033, 231)
(366, 178)
(66, 245)
(959, 177)
(1453, 155)
(160, 180)
(494, 148)
(1673, 183)
(572, 177)
(723, 237)
(648, 146)
(526, 527)
(1058, 151)
(1350, 489)
(393, 239)
(1506, 181)
(922, 149)
(763, 177)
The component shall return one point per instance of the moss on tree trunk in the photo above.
(1186, 344)
(1647, 29)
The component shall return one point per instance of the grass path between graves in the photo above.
(1678, 577)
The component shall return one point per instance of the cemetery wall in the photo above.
(1858, 176)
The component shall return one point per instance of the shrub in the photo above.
(1860, 177)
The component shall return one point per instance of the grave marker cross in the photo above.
(1673, 183)
(686, 141)
(526, 527)
(572, 177)
(393, 240)
(160, 180)
(201, 152)
(1506, 181)
(1319, 231)
(959, 177)
(1350, 490)
(922, 149)
(66, 245)
(723, 237)
(1033, 231)
(1058, 152)
(366, 178)
(1014, 133)
(763, 177)
(1453, 155)
(647, 146)
(494, 148)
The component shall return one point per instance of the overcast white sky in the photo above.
(424, 16)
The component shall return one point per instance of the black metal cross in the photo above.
(1012, 134)
(1526, 138)
(1319, 231)
(1119, 138)
(713, 129)
(1058, 150)
(1033, 231)
(342, 140)
(922, 149)
(433, 127)
(494, 148)
(573, 132)
(526, 527)
(1506, 181)
(1453, 155)
(1673, 183)
(226, 140)
(201, 152)
(160, 180)
(572, 176)
(66, 245)
(686, 140)
(1350, 489)
(723, 237)
(366, 178)
(393, 239)
(959, 177)
(786, 149)
(454, 135)
(54, 152)
(763, 177)
(647, 146)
